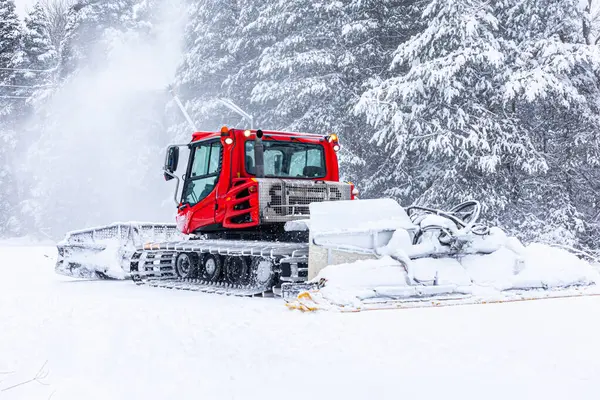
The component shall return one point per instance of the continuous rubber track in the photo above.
(155, 264)
(196, 285)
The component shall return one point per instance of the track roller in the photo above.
(237, 271)
(212, 265)
(262, 272)
(186, 265)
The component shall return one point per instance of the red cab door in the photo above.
(199, 197)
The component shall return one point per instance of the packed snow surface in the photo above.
(113, 340)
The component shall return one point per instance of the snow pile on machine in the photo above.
(375, 255)
(105, 252)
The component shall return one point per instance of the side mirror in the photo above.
(171, 162)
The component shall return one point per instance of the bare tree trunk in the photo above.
(56, 12)
(591, 22)
(586, 28)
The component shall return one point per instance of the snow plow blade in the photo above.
(312, 301)
(373, 254)
(105, 252)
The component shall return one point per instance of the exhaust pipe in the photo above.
(259, 155)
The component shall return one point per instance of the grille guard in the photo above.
(284, 200)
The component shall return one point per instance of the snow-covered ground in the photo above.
(113, 340)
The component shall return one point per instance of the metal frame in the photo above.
(223, 101)
(235, 108)
(235, 248)
(317, 191)
(297, 135)
(182, 108)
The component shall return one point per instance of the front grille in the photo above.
(288, 200)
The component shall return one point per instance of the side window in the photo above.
(206, 160)
(204, 173)
(250, 165)
(197, 190)
(215, 158)
(201, 161)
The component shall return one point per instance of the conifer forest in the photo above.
(434, 101)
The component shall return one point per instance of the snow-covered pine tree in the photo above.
(207, 63)
(11, 54)
(88, 24)
(316, 57)
(230, 45)
(554, 90)
(11, 58)
(245, 45)
(299, 72)
(442, 115)
(39, 50)
(41, 57)
(370, 32)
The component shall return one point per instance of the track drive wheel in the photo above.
(186, 265)
(262, 272)
(236, 270)
(211, 267)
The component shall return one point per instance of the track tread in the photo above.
(194, 285)
(154, 265)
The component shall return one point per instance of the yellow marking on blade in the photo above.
(305, 296)
(303, 303)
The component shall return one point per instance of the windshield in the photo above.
(289, 160)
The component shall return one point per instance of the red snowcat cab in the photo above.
(254, 181)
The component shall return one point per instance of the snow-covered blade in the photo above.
(425, 257)
(538, 272)
(104, 252)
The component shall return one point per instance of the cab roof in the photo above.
(311, 137)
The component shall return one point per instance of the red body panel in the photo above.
(237, 187)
